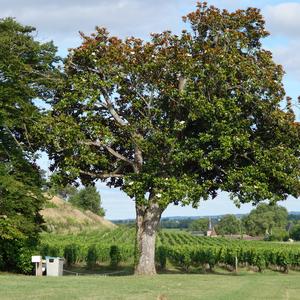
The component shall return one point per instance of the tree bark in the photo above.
(147, 222)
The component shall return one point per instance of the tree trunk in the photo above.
(147, 221)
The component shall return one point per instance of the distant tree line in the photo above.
(270, 222)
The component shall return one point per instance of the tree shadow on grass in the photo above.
(98, 270)
(201, 271)
(128, 270)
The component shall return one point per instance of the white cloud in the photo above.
(288, 56)
(283, 19)
(283, 22)
(61, 20)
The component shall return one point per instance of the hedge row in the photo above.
(210, 256)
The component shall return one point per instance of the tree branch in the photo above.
(110, 150)
(113, 112)
(14, 138)
(138, 155)
(105, 93)
(181, 84)
(27, 137)
(117, 154)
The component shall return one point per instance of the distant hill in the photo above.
(62, 217)
(294, 213)
(181, 218)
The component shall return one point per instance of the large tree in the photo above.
(201, 225)
(265, 218)
(26, 69)
(229, 224)
(177, 118)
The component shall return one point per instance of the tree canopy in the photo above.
(229, 224)
(201, 225)
(295, 232)
(88, 198)
(177, 118)
(264, 219)
(64, 192)
(25, 68)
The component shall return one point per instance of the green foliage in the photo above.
(88, 198)
(199, 225)
(175, 223)
(178, 118)
(295, 232)
(182, 116)
(92, 257)
(180, 257)
(229, 224)
(264, 219)
(201, 251)
(90, 244)
(181, 249)
(161, 257)
(20, 221)
(23, 262)
(15, 255)
(63, 191)
(278, 234)
(71, 254)
(294, 217)
(26, 69)
(115, 256)
(50, 250)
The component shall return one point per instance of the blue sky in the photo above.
(60, 21)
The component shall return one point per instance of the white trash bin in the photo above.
(54, 266)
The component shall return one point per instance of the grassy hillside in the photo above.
(62, 217)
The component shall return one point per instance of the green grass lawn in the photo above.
(269, 285)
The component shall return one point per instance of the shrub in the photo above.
(23, 262)
(71, 254)
(15, 256)
(180, 256)
(161, 257)
(49, 250)
(92, 256)
(115, 256)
